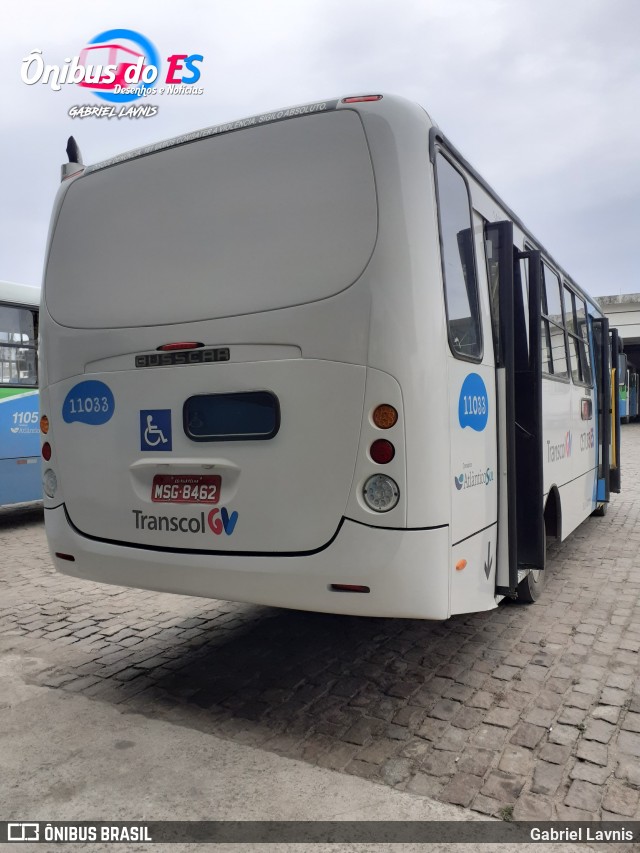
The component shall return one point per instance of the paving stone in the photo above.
(409, 716)
(579, 700)
(516, 759)
(505, 673)
(563, 735)
(621, 799)
(504, 717)
(631, 722)
(599, 730)
(609, 713)
(396, 770)
(489, 737)
(584, 795)
(613, 696)
(379, 751)
(444, 710)
(539, 717)
(415, 748)
(546, 778)
(623, 682)
(588, 685)
(461, 789)
(628, 770)
(527, 735)
(468, 718)
(487, 805)
(533, 808)
(596, 753)
(629, 743)
(548, 700)
(571, 716)
(590, 772)
(504, 787)
(453, 739)
(425, 785)
(476, 761)
(460, 692)
(439, 763)
(567, 813)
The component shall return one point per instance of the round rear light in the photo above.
(49, 483)
(46, 451)
(44, 424)
(382, 451)
(381, 493)
(384, 416)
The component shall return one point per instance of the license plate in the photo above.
(186, 488)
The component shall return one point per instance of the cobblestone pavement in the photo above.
(525, 711)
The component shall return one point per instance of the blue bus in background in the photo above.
(20, 478)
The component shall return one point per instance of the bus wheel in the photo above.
(530, 589)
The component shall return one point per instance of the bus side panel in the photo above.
(20, 479)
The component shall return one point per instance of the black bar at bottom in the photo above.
(309, 832)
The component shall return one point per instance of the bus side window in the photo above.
(555, 355)
(577, 336)
(583, 331)
(458, 262)
(18, 341)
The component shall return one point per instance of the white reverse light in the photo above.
(381, 493)
(49, 482)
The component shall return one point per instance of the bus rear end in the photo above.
(211, 407)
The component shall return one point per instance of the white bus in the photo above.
(310, 359)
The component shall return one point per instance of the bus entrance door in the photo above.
(617, 362)
(600, 327)
(519, 380)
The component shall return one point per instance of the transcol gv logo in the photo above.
(118, 66)
(555, 452)
(218, 521)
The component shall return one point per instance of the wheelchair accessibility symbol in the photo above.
(155, 429)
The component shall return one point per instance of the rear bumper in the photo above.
(406, 571)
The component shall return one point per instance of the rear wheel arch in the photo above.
(553, 514)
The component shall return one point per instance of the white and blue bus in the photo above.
(20, 478)
(310, 359)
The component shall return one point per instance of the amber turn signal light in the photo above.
(384, 416)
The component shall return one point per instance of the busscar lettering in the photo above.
(171, 359)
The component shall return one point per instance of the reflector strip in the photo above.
(348, 587)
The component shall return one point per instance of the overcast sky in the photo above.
(542, 97)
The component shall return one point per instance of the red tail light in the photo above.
(359, 99)
(382, 451)
(46, 451)
(181, 345)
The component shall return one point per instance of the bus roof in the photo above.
(20, 294)
(370, 103)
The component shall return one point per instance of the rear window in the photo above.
(261, 218)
